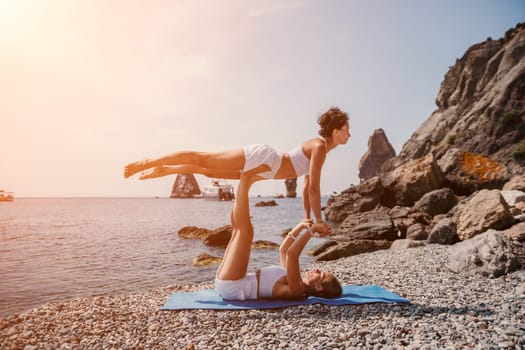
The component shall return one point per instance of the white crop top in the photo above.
(267, 278)
(300, 162)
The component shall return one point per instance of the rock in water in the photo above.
(271, 203)
(379, 151)
(185, 186)
(291, 188)
(194, 232)
(220, 237)
(206, 259)
(264, 244)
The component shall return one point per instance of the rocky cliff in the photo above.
(481, 105)
(185, 186)
(450, 182)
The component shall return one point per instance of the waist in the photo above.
(286, 171)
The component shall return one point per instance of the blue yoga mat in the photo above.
(210, 299)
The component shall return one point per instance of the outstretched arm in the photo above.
(295, 246)
(288, 241)
(314, 183)
(306, 197)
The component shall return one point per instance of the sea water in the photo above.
(57, 248)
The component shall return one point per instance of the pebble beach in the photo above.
(446, 311)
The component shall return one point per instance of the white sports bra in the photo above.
(300, 162)
(267, 278)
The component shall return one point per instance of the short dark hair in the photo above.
(332, 119)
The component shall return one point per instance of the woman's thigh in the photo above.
(227, 160)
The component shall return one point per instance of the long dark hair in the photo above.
(331, 289)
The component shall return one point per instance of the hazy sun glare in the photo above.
(88, 86)
(83, 78)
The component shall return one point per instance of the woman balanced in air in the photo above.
(261, 160)
(277, 282)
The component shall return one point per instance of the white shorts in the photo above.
(256, 155)
(243, 289)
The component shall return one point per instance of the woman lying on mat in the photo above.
(261, 160)
(278, 282)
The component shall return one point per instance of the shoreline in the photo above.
(58, 249)
(446, 310)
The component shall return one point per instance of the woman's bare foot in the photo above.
(152, 173)
(135, 167)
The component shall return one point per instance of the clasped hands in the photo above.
(322, 229)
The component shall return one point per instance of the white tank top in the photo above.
(267, 278)
(300, 162)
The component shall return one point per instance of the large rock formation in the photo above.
(379, 151)
(445, 185)
(490, 254)
(468, 172)
(358, 246)
(484, 210)
(372, 225)
(409, 182)
(185, 186)
(516, 183)
(291, 188)
(356, 199)
(437, 202)
(481, 105)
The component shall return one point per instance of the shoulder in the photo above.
(316, 144)
(282, 290)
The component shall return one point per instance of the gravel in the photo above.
(446, 311)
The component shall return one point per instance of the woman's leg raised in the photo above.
(227, 160)
(237, 254)
(189, 169)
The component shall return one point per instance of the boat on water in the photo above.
(6, 196)
(219, 190)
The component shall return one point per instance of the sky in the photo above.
(88, 86)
